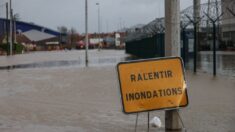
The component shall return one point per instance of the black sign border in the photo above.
(146, 60)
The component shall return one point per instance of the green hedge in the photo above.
(17, 48)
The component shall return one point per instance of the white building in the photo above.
(117, 39)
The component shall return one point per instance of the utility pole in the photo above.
(196, 15)
(14, 21)
(98, 4)
(11, 28)
(7, 28)
(196, 11)
(172, 48)
(86, 30)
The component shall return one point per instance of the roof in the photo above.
(35, 35)
(32, 32)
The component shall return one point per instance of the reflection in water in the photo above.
(225, 64)
(42, 65)
(65, 63)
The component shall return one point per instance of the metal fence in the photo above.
(216, 23)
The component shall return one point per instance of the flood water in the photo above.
(56, 59)
(225, 63)
(76, 58)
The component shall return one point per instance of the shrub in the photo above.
(17, 48)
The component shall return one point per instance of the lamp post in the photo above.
(98, 26)
(86, 30)
(11, 28)
(7, 26)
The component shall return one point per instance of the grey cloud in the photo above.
(53, 13)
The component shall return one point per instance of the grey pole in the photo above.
(86, 30)
(98, 4)
(196, 11)
(196, 15)
(15, 29)
(172, 48)
(214, 48)
(10, 37)
(7, 27)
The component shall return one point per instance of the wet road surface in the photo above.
(225, 63)
(55, 93)
(55, 59)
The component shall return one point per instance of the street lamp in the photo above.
(98, 4)
(86, 30)
(11, 28)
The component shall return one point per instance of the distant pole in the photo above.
(172, 48)
(86, 30)
(196, 12)
(214, 48)
(195, 45)
(196, 15)
(184, 45)
(213, 21)
(15, 39)
(183, 28)
(11, 28)
(98, 5)
(7, 28)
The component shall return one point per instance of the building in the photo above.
(228, 22)
(29, 34)
(107, 40)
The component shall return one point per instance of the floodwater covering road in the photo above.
(71, 98)
(225, 63)
(75, 58)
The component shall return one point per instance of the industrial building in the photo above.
(29, 34)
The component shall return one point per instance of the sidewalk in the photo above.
(88, 100)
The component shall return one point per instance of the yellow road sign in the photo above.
(152, 84)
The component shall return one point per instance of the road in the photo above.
(79, 99)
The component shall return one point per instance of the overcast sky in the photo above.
(115, 14)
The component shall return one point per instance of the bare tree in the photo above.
(63, 34)
(62, 29)
(16, 17)
(73, 36)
